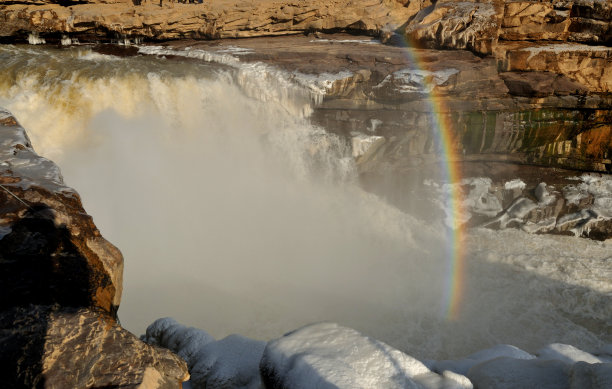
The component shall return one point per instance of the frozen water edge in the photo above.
(18, 156)
(327, 355)
(316, 84)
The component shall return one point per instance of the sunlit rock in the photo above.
(76, 348)
(61, 285)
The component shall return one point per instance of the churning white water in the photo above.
(236, 215)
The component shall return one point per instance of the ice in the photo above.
(358, 41)
(479, 200)
(362, 143)
(510, 373)
(183, 340)
(592, 376)
(66, 41)
(462, 366)
(515, 184)
(265, 78)
(566, 353)
(35, 39)
(18, 156)
(542, 194)
(232, 362)
(562, 48)
(410, 80)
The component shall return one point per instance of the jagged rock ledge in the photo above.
(60, 284)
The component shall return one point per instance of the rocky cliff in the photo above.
(61, 286)
(170, 19)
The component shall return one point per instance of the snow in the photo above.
(510, 373)
(566, 353)
(479, 200)
(327, 355)
(542, 194)
(274, 79)
(515, 184)
(18, 156)
(358, 41)
(411, 80)
(362, 143)
(559, 48)
(591, 376)
(462, 366)
(34, 39)
(232, 362)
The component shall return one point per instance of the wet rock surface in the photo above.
(409, 97)
(61, 285)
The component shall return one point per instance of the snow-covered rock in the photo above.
(592, 376)
(327, 355)
(462, 366)
(510, 373)
(566, 353)
(232, 362)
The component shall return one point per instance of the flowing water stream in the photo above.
(236, 215)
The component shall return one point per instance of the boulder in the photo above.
(232, 362)
(510, 373)
(52, 347)
(51, 252)
(61, 285)
(327, 355)
(462, 366)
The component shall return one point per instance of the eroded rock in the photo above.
(52, 347)
(51, 252)
(61, 285)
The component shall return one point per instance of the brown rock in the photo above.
(458, 25)
(590, 66)
(60, 283)
(104, 20)
(50, 251)
(50, 347)
(538, 84)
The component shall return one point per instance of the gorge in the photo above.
(258, 185)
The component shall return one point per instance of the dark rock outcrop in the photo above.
(61, 286)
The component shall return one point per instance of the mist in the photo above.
(236, 215)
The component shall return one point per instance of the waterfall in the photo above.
(235, 214)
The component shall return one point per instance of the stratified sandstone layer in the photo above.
(159, 20)
(571, 38)
(61, 286)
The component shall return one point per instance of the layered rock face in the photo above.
(571, 38)
(61, 286)
(153, 19)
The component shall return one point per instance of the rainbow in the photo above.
(446, 134)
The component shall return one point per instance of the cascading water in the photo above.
(236, 215)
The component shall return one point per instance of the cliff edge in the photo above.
(61, 286)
